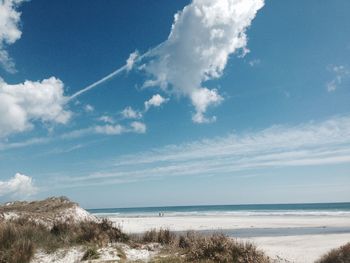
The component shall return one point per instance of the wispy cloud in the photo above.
(254, 62)
(88, 108)
(107, 129)
(138, 127)
(130, 113)
(106, 119)
(340, 74)
(33, 141)
(128, 66)
(309, 144)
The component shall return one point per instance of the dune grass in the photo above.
(338, 255)
(20, 238)
(90, 254)
(193, 247)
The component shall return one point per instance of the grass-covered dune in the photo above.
(33, 232)
(338, 255)
(19, 239)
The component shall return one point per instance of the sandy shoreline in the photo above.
(183, 223)
(300, 248)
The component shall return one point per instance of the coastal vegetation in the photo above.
(24, 231)
(338, 255)
(19, 238)
(193, 247)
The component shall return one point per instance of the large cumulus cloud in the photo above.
(23, 104)
(202, 37)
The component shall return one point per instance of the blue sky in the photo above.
(246, 104)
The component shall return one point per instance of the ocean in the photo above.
(336, 210)
(312, 209)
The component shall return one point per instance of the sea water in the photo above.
(266, 210)
(314, 209)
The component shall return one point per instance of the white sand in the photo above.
(183, 223)
(106, 254)
(299, 249)
(71, 255)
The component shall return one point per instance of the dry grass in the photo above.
(20, 238)
(192, 247)
(49, 205)
(163, 236)
(90, 254)
(339, 255)
(14, 246)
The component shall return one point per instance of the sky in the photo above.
(156, 103)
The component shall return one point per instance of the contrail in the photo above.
(93, 85)
(113, 74)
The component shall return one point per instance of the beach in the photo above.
(289, 238)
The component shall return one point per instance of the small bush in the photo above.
(193, 247)
(99, 233)
(163, 236)
(91, 253)
(339, 255)
(186, 241)
(150, 236)
(219, 248)
(20, 238)
(121, 254)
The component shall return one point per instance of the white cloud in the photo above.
(130, 113)
(21, 104)
(21, 144)
(203, 36)
(88, 108)
(156, 101)
(106, 119)
(131, 60)
(341, 72)
(20, 186)
(109, 129)
(254, 62)
(201, 99)
(9, 30)
(308, 144)
(138, 127)
(134, 127)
